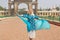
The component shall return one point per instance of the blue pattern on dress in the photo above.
(31, 20)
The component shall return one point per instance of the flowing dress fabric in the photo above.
(37, 24)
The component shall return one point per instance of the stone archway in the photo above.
(22, 8)
(15, 4)
(23, 5)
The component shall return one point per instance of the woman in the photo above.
(33, 23)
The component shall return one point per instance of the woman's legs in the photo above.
(30, 38)
(31, 35)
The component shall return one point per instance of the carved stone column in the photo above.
(36, 6)
(9, 7)
(15, 7)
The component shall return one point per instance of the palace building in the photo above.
(48, 13)
(15, 4)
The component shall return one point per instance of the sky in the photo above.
(41, 4)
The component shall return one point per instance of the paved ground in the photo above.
(14, 29)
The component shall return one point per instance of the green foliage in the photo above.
(57, 8)
(6, 16)
(51, 18)
(21, 11)
(40, 9)
(1, 8)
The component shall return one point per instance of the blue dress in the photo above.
(33, 24)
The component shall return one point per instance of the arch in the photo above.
(21, 6)
(22, 9)
(17, 2)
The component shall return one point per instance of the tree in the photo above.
(21, 11)
(1, 8)
(40, 9)
(49, 9)
(57, 8)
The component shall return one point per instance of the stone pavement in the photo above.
(15, 29)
